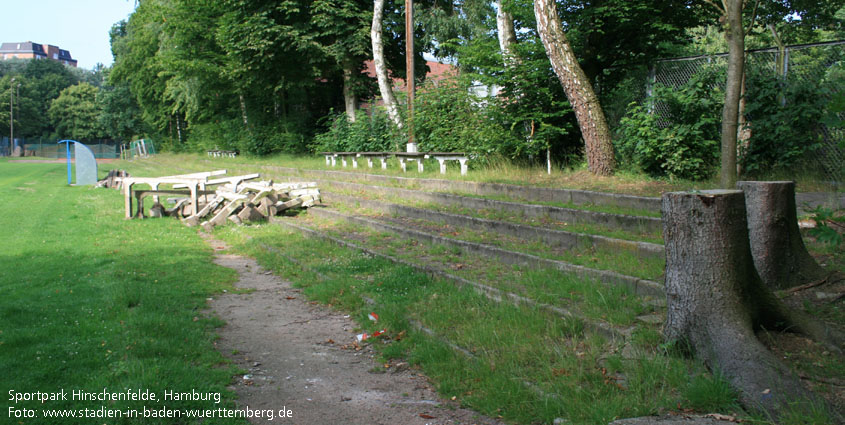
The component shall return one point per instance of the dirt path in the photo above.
(293, 351)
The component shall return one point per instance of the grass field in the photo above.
(91, 301)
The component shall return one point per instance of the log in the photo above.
(778, 251)
(716, 300)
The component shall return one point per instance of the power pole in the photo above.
(409, 71)
(11, 115)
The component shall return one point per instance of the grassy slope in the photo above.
(92, 301)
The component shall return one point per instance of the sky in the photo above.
(80, 26)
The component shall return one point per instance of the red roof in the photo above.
(436, 71)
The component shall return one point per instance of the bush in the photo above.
(784, 117)
(372, 131)
(684, 141)
(447, 118)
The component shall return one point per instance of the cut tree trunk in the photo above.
(779, 254)
(715, 299)
(385, 86)
(576, 85)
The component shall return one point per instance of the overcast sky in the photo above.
(80, 26)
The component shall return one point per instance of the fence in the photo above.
(810, 62)
(48, 148)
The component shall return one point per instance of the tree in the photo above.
(342, 28)
(120, 116)
(716, 299)
(579, 91)
(780, 257)
(75, 113)
(385, 84)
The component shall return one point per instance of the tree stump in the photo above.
(715, 299)
(778, 251)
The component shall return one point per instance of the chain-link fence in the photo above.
(48, 148)
(820, 64)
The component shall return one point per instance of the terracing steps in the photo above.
(568, 305)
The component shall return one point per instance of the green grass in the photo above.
(623, 261)
(92, 301)
(506, 216)
(592, 300)
(526, 366)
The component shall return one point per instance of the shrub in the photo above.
(684, 140)
(447, 118)
(372, 131)
(784, 117)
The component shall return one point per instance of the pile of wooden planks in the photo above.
(210, 199)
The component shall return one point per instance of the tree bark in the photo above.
(385, 86)
(779, 254)
(506, 33)
(715, 299)
(588, 112)
(735, 36)
(349, 99)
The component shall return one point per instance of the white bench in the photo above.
(375, 155)
(403, 157)
(442, 157)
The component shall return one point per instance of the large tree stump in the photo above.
(778, 251)
(715, 299)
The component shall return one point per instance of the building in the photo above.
(30, 50)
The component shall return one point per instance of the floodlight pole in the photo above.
(409, 69)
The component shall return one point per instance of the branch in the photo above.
(719, 8)
(753, 17)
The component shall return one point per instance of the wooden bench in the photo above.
(375, 155)
(442, 157)
(403, 157)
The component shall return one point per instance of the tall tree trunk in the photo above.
(780, 257)
(348, 93)
(735, 36)
(715, 298)
(506, 32)
(385, 86)
(588, 112)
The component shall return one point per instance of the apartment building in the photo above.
(30, 50)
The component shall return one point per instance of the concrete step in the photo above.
(552, 237)
(634, 224)
(638, 286)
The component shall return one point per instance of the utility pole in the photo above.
(409, 71)
(11, 115)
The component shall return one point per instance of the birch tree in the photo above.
(385, 85)
(579, 91)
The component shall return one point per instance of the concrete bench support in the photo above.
(373, 155)
(442, 157)
(403, 157)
